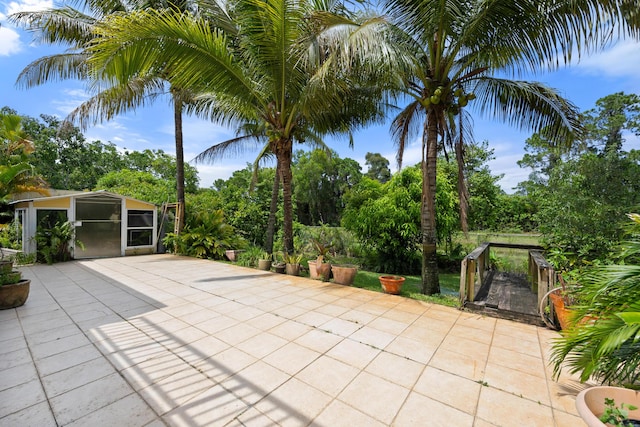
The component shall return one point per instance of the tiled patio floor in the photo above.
(163, 340)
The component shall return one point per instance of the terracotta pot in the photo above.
(324, 271)
(391, 284)
(232, 255)
(562, 312)
(590, 403)
(344, 275)
(313, 271)
(264, 264)
(14, 295)
(292, 269)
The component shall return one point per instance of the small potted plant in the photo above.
(320, 268)
(392, 284)
(292, 264)
(14, 290)
(609, 406)
(264, 263)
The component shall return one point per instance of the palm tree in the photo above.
(75, 28)
(274, 73)
(463, 53)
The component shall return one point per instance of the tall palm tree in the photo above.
(256, 132)
(464, 54)
(74, 28)
(273, 72)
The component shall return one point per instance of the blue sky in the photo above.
(613, 70)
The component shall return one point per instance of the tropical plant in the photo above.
(53, 242)
(459, 48)
(16, 173)
(250, 256)
(205, 235)
(603, 341)
(272, 74)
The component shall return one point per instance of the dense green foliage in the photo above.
(604, 340)
(583, 194)
(386, 218)
(247, 205)
(582, 209)
(320, 181)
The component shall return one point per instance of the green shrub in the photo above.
(53, 242)
(251, 256)
(205, 235)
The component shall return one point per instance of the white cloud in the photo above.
(28, 6)
(9, 41)
(69, 100)
(9, 38)
(209, 173)
(620, 60)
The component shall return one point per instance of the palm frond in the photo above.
(53, 68)
(529, 105)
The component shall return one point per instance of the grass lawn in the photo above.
(449, 287)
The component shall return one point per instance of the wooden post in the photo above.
(463, 282)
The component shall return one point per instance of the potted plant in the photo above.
(391, 284)
(292, 264)
(609, 406)
(323, 269)
(264, 263)
(561, 298)
(344, 274)
(14, 290)
(279, 267)
(320, 268)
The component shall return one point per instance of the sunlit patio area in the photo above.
(161, 340)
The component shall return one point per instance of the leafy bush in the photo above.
(9, 235)
(53, 242)
(205, 235)
(251, 256)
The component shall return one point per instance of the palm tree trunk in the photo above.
(430, 282)
(271, 224)
(283, 154)
(177, 117)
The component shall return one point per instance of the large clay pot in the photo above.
(324, 270)
(391, 284)
(14, 295)
(344, 274)
(313, 272)
(590, 403)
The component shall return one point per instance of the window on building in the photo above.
(139, 228)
